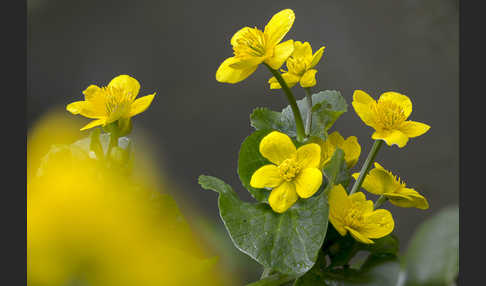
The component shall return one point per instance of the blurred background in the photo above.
(196, 125)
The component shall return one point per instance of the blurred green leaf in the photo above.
(432, 257)
(377, 271)
(289, 242)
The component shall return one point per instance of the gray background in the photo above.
(197, 124)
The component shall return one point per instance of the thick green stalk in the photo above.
(308, 122)
(293, 104)
(380, 201)
(366, 166)
(266, 272)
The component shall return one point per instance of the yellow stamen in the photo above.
(289, 169)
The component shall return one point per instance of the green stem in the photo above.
(113, 141)
(366, 166)
(308, 122)
(266, 272)
(273, 280)
(293, 104)
(380, 201)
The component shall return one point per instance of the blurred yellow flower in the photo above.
(382, 182)
(350, 147)
(252, 47)
(300, 67)
(388, 116)
(355, 214)
(111, 103)
(91, 225)
(293, 174)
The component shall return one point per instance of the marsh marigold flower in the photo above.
(293, 173)
(388, 116)
(355, 214)
(382, 182)
(252, 47)
(111, 103)
(300, 67)
(350, 147)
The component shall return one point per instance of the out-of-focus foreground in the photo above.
(94, 223)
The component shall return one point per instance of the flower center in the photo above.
(354, 218)
(251, 43)
(297, 66)
(289, 169)
(388, 114)
(117, 103)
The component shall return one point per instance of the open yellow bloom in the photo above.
(388, 116)
(382, 182)
(293, 174)
(300, 67)
(111, 103)
(350, 147)
(355, 214)
(252, 47)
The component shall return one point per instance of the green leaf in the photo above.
(333, 169)
(250, 160)
(432, 257)
(288, 243)
(385, 245)
(327, 106)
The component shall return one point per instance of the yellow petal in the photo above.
(408, 198)
(92, 92)
(335, 138)
(277, 147)
(126, 83)
(96, 98)
(399, 99)
(358, 236)
(362, 103)
(302, 50)
(280, 54)
(352, 150)
(238, 35)
(309, 155)
(309, 78)
(283, 197)
(396, 137)
(378, 182)
(338, 208)
(85, 108)
(308, 181)
(278, 26)
(141, 104)
(413, 128)
(317, 57)
(378, 223)
(227, 74)
(360, 202)
(267, 176)
(290, 78)
(93, 123)
(76, 107)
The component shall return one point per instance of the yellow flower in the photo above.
(300, 67)
(388, 116)
(111, 103)
(293, 174)
(350, 147)
(252, 47)
(355, 214)
(382, 182)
